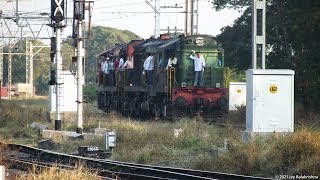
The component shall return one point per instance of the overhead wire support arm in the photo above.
(156, 16)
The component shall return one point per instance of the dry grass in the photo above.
(296, 153)
(16, 117)
(54, 173)
(153, 142)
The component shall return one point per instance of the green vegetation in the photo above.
(292, 42)
(102, 38)
(90, 93)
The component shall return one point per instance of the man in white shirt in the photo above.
(129, 66)
(121, 62)
(104, 70)
(172, 61)
(148, 66)
(199, 64)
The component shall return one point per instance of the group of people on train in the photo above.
(109, 66)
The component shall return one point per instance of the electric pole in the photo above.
(191, 16)
(186, 18)
(194, 17)
(156, 9)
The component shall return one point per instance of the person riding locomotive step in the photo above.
(199, 65)
(172, 61)
(148, 67)
(129, 66)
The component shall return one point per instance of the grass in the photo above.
(53, 173)
(16, 117)
(197, 145)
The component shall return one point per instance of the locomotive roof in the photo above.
(128, 48)
(110, 51)
(151, 43)
(141, 48)
(168, 43)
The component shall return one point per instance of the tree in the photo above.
(292, 42)
(103, 38)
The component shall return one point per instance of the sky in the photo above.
(133, 15)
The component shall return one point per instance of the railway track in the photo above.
(26, 157)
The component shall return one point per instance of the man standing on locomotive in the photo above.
(172, 61)
(129, 66)
(148, 66)
(199, 64)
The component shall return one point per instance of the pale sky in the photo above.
(133, 15)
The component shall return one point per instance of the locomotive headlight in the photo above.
(222, 102)
(180, 101)
(199, 101)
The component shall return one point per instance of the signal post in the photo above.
(80, 7)
(57, 17)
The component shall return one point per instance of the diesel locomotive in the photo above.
(171, 93)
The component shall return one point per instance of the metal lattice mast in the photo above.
(258, 34)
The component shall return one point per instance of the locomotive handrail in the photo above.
(170, 73)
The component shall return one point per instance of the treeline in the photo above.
(102, 38)
(293, 36)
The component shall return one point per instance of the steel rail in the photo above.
(126, 170)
